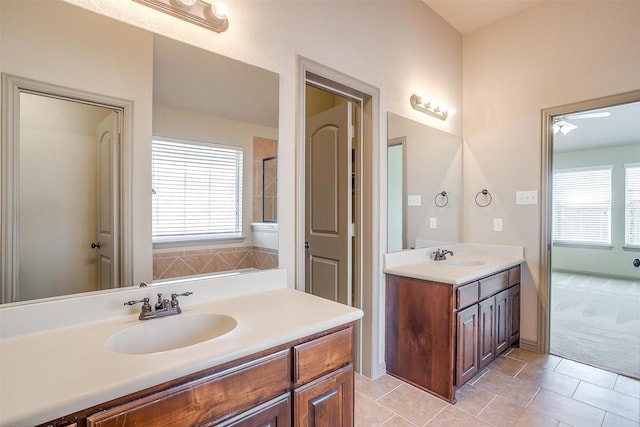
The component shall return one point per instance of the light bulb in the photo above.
(452, 111)
(219, 9)
(187, 2)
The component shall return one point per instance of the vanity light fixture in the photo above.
(431, 107)
(210, 14)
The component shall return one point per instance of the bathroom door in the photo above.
(328, 203)
(106, 243)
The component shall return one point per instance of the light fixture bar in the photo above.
(198, 12)
(430, 107)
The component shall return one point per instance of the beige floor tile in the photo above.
(554, 381)
(609, 400)
(613, 420)
(567, 410)
(398, 421)
(514, 389)
(531, 418)
(507, 365)
(377, 388)
(473, 399)
(502, 412)
(451, 416)
(628, 386)
(413, 404)
(368, 413)
(587, 373)
(547, 361)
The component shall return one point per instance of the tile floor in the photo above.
(520, 388)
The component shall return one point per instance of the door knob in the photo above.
(306, 245)
(636, 262)
(95, 245)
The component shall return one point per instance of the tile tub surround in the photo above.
(42, 380)
(178, 263)
(521, 388)
(418, 264)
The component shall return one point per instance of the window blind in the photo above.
(582, 206)
(197, 190)
(632, 205)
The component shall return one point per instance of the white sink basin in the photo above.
(463, 262)
(170, 333)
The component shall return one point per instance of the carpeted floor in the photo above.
(596, 320)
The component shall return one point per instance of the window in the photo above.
(632, 205)
(582, 206)
(197, 190)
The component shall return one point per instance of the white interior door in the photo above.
(328, 204)
(107, 221)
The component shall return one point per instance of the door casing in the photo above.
(546, 194)
(367, 266)
(12, 86)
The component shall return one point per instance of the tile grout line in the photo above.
(486, 406)
(393, 389)
(439, 412)
(533, 397)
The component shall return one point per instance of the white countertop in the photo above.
(418, 263)
(49, 374)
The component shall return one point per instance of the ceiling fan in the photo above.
(562, 124)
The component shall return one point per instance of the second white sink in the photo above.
(170, 333)
(463, 262)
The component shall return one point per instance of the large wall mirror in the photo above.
(424, 185)
(61, 186)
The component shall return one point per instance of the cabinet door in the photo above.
(502, 322)
(487, 331)
(326, 402)
(467, 351)
(276, 413)
(514, 315)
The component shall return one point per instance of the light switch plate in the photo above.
(414, 200)
(526, 197)
(433, 222)
(497, 224)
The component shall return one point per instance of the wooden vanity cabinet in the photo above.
(309, 382)
(438, 336)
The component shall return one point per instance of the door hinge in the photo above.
(352, 230)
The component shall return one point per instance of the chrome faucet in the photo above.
(441, 254)
(162, 308)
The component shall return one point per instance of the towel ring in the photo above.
(485, 193)
(445, 199)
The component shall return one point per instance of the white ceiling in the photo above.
(469, 15)
(622, 127)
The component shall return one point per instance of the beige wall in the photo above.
(549, 55)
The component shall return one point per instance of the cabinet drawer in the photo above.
(317, 357)
(514, 276)
(494, 284)
(466, 295)
(206, 400)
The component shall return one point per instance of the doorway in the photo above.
(358, 160)
(593, 232)
(61, 192)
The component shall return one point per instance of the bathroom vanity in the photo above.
(445, 321)
(289, 360)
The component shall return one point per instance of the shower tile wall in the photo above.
(263, 148)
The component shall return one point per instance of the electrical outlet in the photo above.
(526, 197)
(433, 223)
(497, 224)
(414, 200)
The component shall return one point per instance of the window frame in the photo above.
(198, 238)
(636, 168)
(582, 243)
